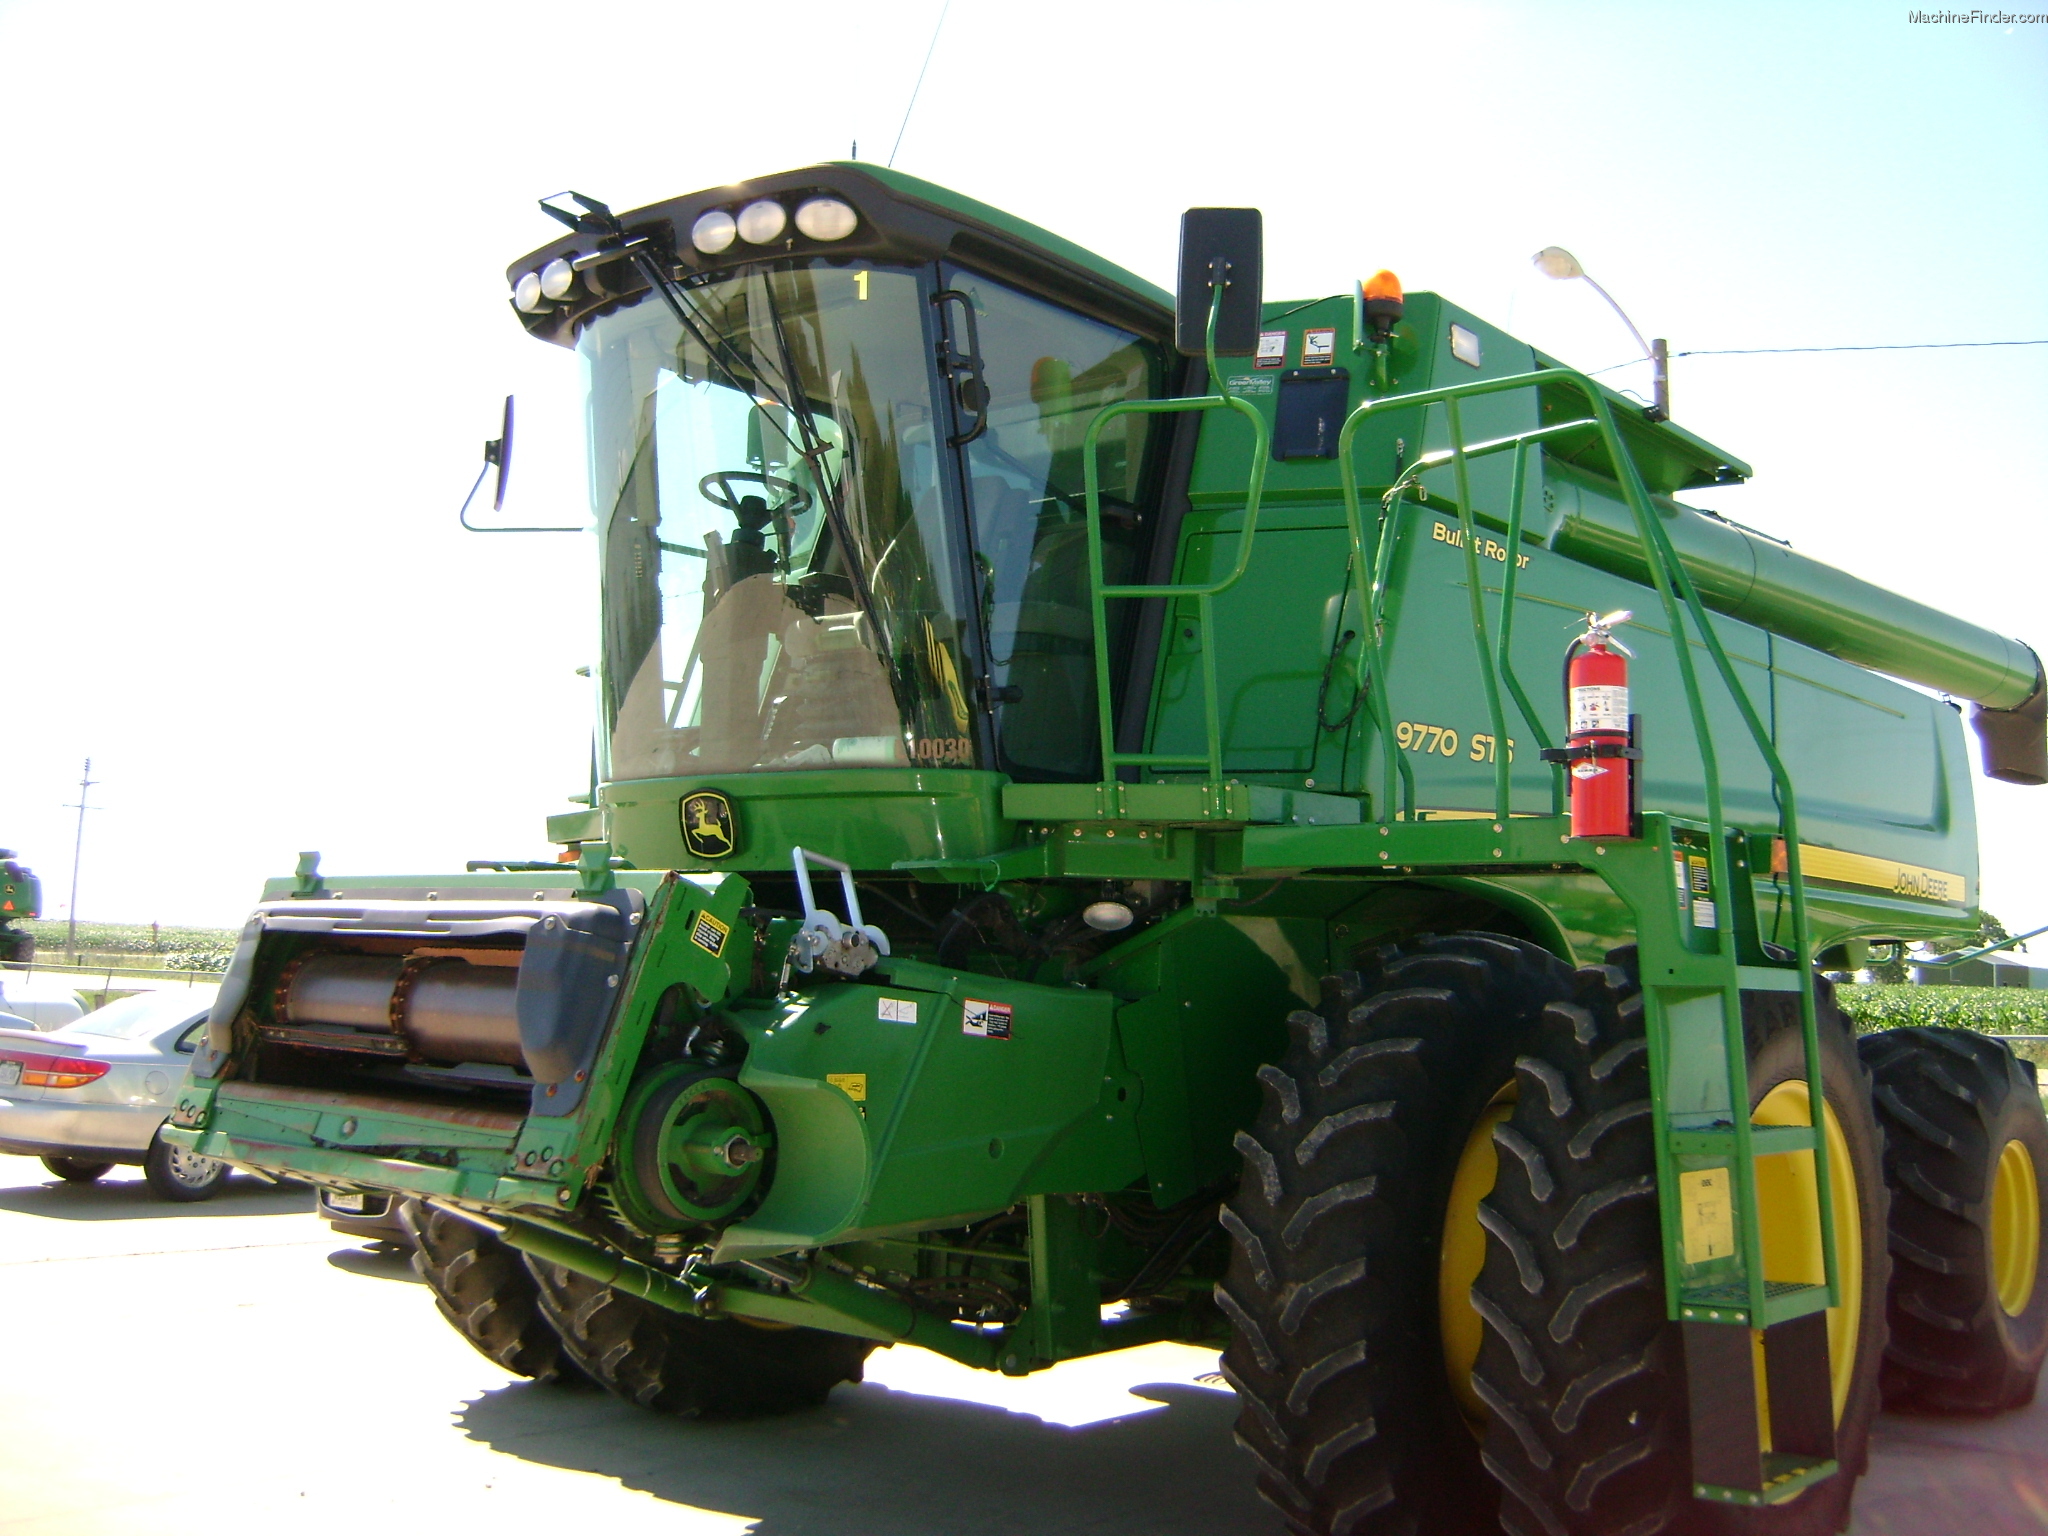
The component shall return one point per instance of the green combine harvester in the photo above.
(1089, 848)
(21, 897)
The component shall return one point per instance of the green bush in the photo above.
(197, 959)
(1991, 1010)
(128, 938)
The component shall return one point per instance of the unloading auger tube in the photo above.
(1748, 576)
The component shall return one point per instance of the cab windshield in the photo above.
(781, 585)
(785, 586)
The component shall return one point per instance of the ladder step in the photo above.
(1767, 978)
(1783, 1301)
(1783, 1477)
(1764, 1140)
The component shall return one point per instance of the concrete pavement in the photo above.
(235, 1367)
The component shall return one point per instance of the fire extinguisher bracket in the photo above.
(1591, 749)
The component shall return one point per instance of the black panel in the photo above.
(1310, 412)
(568, 982)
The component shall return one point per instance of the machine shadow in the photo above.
(125, 1199)
(377, 1261)
(880, 1462)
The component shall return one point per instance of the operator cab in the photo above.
(837, 476)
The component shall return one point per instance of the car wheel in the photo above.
(76, 1170)
(175, 1174)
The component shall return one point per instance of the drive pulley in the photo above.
(692, 1148)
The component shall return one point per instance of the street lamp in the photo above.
(1557, 262)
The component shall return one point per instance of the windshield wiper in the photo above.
(598, 220)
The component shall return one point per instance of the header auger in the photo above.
(1219, 950)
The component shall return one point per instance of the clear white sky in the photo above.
(252, 258)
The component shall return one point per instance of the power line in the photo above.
(927, 64)
(1889, 346)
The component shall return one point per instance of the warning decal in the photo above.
(991, 1021)
(1318, 348)
(853, 1084)
(708, 934)
(1706, 1217)
(896, 1010)
(1272, 349)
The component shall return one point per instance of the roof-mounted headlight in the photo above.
(713, 232)
(762, 222)
(557, 278)
(826, 218)
(526, 294)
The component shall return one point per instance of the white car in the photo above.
(97, 1091)
(45, 1001)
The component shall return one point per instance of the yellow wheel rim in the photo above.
(1462, 1254)
(1788, 1212)
(2015, 1228)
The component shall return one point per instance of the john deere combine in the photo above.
(21, 896)
(1090, 847)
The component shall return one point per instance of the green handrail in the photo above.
(1373, 596)
(1202, 592)
(1680, 599)
(1677, 595)
(1516, 489)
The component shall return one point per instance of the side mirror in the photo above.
(498, 456)
(498, 452)
(1220, 246)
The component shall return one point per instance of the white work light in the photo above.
(557, 278)
(713, 232)
(826, 218)
(526, 293)
(762, 222)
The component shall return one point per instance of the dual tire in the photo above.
(1447, 1290)
(1966, 1151)
(550, 1324)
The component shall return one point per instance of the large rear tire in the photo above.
(485, 1293)
(1966, 1156)
(1338, 1353)
(669, 1363)
(1583, 1372)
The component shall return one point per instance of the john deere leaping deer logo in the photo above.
(710, 830)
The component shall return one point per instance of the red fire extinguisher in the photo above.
(1602, 747)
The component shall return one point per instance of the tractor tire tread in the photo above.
(1589, 1433)
(483, 1290)
(1334, 1239)
(1950, 1100)
(691, 1367)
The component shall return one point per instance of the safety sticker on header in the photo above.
(991, 1021)
(708, 934)
(896, 1010)
(1272, 349)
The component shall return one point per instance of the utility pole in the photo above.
(85, 782)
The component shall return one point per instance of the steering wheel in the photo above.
(717, 488)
